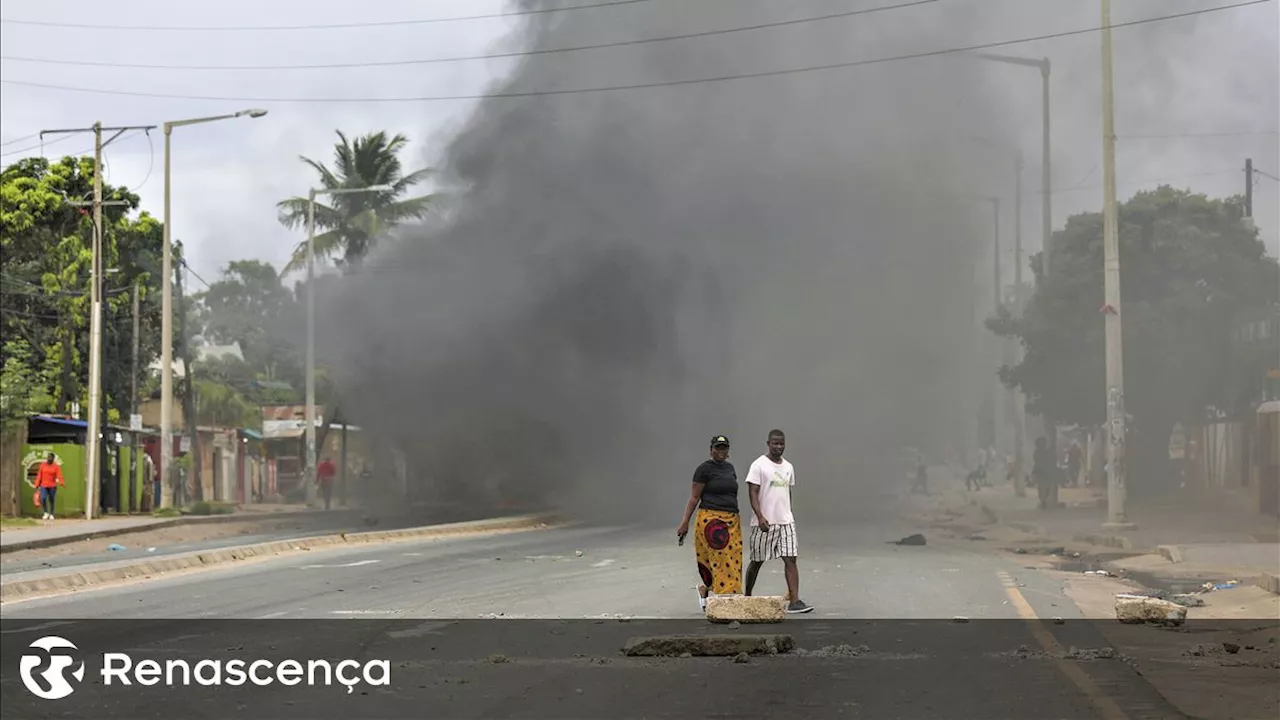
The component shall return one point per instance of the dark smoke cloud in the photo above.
(625, 274)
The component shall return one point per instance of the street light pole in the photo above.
(997, 436)
(166, 311)
(1019, 404)
(1116, 490)
(309, 476)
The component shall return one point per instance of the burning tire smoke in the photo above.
(624, 274)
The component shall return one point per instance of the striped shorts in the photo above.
(778, 542)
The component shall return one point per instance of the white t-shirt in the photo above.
(775, 481)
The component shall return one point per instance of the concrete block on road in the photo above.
(1137, 609)
(1268, 582)
(708, 645)
(1172, 553)
(746, 609)
(1113, 541)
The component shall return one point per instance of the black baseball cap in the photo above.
(719, 440)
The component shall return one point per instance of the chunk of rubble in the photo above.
(1139, 609)
(746, 609)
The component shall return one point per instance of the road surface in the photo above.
(881, 643)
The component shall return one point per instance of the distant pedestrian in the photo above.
(48, 480)
(324, 477)
(773, 527)
(1075, 459)
(1044, 471)
(717, 541)
(922, 479)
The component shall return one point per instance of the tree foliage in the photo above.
(1192, 272)
(348, 225)
(45, 264)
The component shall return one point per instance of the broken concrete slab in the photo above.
(1136, 609)
(746, 609)
(708, 645)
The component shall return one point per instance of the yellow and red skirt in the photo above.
(718, 547)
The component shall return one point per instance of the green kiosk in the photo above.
(65, 438)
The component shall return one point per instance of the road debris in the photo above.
(1228, 585)
(113, 547)
(915, 540)
(1105, 653)
(708, 645)
(1137, 609)
(741, 658)
(841, 650)
(578, 553)
(498, 658)
(1059, 621)
(1101, 573)
(960, 619)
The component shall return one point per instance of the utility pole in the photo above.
(1116, 490)
(93, 436)
(997, 404)
(309, 477)
(133, 400)
(1248, 187)
(1019, 402)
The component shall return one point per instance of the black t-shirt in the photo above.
(720, 480)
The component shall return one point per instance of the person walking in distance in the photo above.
(773, 527)
(48, 480)
(717, 540)
(324, 477)
(1043, 471)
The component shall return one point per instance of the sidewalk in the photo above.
(1190, 536)
(69, 530)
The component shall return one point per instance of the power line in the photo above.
(642, 86)
(18, 140)
(1149, 180)
(1173, 136)
(335, 26)
(1266, 174)
(492, 56)
(40, 147)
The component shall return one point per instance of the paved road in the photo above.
(883, 616)
(138, 546)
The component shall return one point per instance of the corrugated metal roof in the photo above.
(1271, 406)
(62, 421)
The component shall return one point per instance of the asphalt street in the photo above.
(531, 625)
(138, 546)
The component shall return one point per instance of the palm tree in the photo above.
(351, 223)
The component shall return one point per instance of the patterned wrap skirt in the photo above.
(718, 547)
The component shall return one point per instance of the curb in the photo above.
(174, 522)
(80, 580)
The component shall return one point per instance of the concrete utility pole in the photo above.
(133, 400)
(309, 476)
(166, 310)
(1116, 490)
(1019, 402)
(93, 438)
(997, 400)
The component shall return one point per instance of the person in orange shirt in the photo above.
(324, 477)
(48, 480)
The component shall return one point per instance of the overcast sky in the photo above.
(1215, 74)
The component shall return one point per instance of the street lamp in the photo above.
(166, 314)
(310, 409)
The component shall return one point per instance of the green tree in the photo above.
(45, 262)
(1192, 273)
(249, 305)
(24, 387)
(348, 225)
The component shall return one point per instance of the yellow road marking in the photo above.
(1106, 707)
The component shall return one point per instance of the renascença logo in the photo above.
(122, 669)
(55, 685)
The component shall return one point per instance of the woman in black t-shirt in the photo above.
(718, 538)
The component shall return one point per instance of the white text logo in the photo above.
(55, 685)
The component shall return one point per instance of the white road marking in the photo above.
(42, 626)
(358, 563)
(364, 612)
(414, 554)
(603, 563)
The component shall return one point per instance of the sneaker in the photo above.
(702, 601)
(799, 606)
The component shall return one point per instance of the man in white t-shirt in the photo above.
(773, 527)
